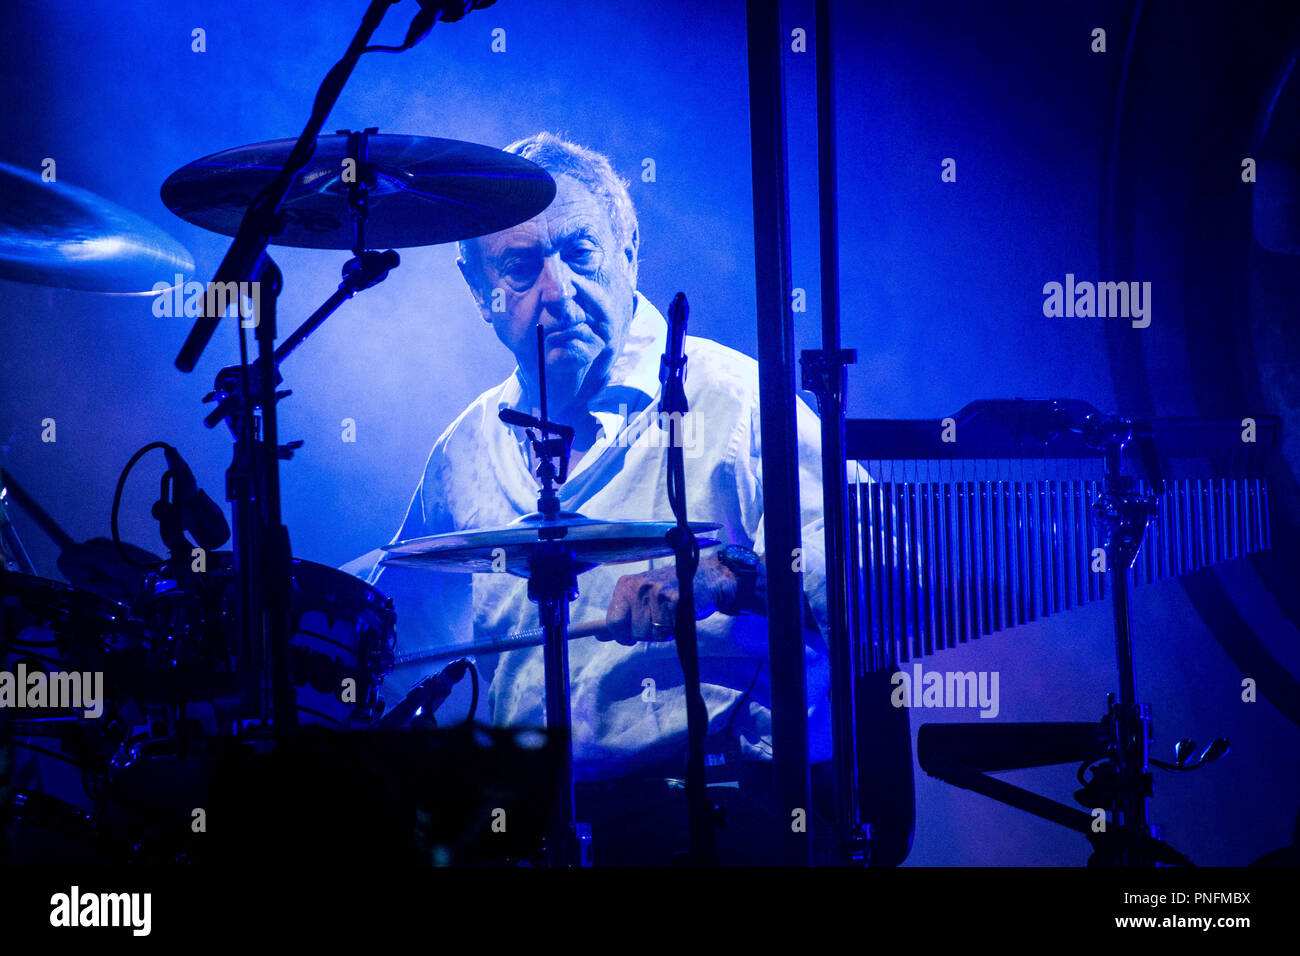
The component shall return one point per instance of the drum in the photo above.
(41, 830)
(341, 646)
(55, 747)
(57, 627)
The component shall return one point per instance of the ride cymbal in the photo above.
(420, 191)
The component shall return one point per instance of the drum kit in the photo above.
(185, 677)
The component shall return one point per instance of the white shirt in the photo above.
(628, 706)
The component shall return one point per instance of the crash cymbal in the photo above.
(425, 191)
(510, 547)
(53, 234)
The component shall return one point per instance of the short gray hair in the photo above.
(560, 157)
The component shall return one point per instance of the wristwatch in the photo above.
(747, 567)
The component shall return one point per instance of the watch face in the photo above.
(742, 557)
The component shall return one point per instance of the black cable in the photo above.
(117, 499)
(473, 701)
(743, 697)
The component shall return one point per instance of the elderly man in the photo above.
(573, 270)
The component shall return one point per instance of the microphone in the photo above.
(512, 417)
(427, 696)
(448, 11)
(199, 514)
(991, 748)
(672, 364)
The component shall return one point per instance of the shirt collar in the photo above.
(634, 379)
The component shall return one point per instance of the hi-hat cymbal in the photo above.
(510, 547)
(425, 191)
(53, 234)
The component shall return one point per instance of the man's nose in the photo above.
(556, 281)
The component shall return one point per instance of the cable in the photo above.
(743, 697)
(474, 678)
(117, 499)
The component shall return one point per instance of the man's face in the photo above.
(565, 270)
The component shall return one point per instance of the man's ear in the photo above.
(474, 280)
(630, 251)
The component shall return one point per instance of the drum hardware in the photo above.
(553, 585)
(550, 553)
(293, 206)
(109, 568)
(952, 552)
(825, 374)
(201, 193)
(515, 640)
(341, 647)
(365, 189)
(178, 654)
(182, 507)
(56, 754)
(13, 556)
(510, 548)
(686, 549)
(551, 548)
(42, 830)
(417, 709)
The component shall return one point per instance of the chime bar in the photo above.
(965, 526)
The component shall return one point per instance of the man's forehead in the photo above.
(574, 209)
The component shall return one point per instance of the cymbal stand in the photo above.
(552, 586)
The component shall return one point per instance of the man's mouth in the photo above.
(561, 336)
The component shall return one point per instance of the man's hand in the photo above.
(643, 600)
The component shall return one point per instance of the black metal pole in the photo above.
(276, 558)
(834, 484)
(551, 583)
(779, 436)
(1132, 727)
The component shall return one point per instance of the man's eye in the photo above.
(583, 254)
(519, 269)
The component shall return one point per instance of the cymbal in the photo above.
(509, 547)
(425, 191)
(53, 234)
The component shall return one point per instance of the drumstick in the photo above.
(528, 637)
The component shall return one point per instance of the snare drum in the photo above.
(343, 633)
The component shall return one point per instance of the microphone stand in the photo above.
(263, 558)
(672, 402)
